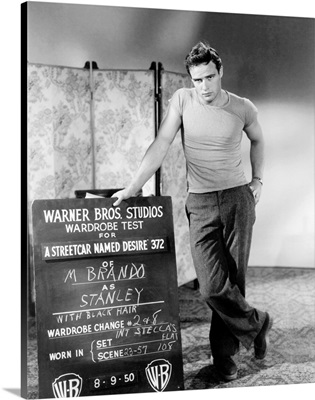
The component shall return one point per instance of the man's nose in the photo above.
(204, 84)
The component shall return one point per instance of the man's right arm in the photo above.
(154, 156)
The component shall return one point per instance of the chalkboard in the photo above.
(106, 297)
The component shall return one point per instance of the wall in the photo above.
(269, 59)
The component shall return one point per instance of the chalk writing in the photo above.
(106, 295)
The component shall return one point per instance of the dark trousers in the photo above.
(221, 225)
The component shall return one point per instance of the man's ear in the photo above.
(221, 72)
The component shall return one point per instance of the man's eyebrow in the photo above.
(207, 76)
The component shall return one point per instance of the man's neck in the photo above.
(221, 100)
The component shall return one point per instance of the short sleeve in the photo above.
(176, 102)
(251, 113)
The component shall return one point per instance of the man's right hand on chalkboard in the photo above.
(121, 195)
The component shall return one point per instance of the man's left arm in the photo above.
(257, 157)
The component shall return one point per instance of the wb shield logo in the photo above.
(158, 373)
(67, 385)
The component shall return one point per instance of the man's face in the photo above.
(207, 81)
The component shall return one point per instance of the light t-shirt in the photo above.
(211, 138)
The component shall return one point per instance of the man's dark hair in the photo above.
(202, 53)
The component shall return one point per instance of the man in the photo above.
(221, 204)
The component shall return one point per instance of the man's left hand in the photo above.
(256, 188)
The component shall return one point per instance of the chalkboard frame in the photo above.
(159, 364)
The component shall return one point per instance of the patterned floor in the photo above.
(287, 293)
